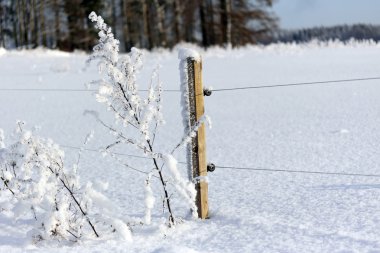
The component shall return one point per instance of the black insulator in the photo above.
(207, 92)
(211, 167)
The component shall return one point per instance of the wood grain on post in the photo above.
(199, 161)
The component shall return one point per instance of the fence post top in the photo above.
(185, 53)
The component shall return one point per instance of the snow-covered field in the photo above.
(331, 128)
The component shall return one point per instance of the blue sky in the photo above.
(308, 13)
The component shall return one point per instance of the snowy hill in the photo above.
(325, 128)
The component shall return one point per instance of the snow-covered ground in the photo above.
(332, 128)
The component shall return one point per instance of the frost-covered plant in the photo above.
(119, 92)
(38, 184)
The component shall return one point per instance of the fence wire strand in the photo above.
(298, 171)
(221, 90)
(67, 90)
(264, 86)
(298, 84)
(235, 167)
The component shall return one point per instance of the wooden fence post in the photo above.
(198, 143)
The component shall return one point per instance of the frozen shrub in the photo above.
(139, 115)
(40, 186)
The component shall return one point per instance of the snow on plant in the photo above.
(119, 91)
(38, 183)
(149, 199)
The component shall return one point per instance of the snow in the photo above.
(184, 53)
(2, 51)
(2, 139)
(149, 200)
(332, 128)
(184, 187)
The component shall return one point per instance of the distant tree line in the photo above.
(140, 23)
(341, 32)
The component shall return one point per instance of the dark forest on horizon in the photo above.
(140, 23)
(151, 24)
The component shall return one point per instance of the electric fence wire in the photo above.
(298, 171)
(298, 84)
(237, 167)
(264, 86)
(221, 90)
